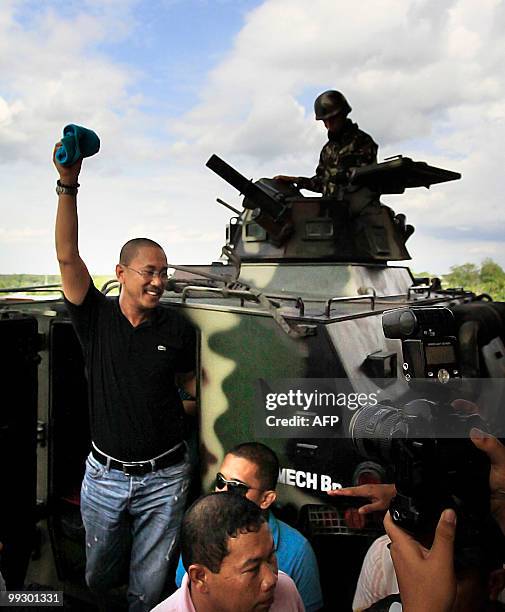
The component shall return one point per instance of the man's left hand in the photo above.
(425, 577)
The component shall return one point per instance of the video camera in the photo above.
(424, 442)
(429, 341)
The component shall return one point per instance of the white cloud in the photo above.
(21, 234)
(401, 64)
(424, 77)
(55, 77)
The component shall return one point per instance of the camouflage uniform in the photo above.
(351, 147)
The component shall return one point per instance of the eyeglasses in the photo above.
(233, 485)
(149, 274)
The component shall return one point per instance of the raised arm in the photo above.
(74, 274)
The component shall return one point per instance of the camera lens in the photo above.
(399, 323)
(371, 430)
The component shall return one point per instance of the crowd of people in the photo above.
(236, 555)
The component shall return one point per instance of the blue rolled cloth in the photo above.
(77, 142)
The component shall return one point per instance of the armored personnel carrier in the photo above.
(294, 308)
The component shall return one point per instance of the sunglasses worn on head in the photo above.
(234, 486)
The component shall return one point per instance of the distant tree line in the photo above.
(12, 281)
(27, 280)
(489, 278)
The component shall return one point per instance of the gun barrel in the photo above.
(258, 198)
(229, 174)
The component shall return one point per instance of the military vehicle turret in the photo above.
(279, 223)
(296, 305)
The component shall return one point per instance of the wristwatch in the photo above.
(66, 189)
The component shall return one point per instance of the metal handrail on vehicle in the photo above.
(244, 294)
(110, 285)
(265, 301)
(34, 288)
(300, 305)
(240, 293)
(456, 291)
(420, 289)
(298, 300)
(352, 298)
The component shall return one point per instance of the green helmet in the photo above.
(330, 103)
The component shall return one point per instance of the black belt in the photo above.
(139, 468)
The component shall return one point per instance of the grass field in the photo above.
(488, 277)
(16, 281)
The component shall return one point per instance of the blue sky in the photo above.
(174, 44)
(167, 83)
(170, 45)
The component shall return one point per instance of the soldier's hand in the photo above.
(380, 496)
(425, 577)
(286, 178)
(68, 174)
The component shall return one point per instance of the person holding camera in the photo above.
(426, 577)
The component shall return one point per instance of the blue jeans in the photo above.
(132, 525)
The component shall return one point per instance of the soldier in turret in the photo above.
(347, 146)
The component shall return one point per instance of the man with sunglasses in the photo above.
(137, 474)
(251, 470)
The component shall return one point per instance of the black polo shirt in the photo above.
(135, 409)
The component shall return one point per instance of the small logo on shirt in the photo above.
(161, 347)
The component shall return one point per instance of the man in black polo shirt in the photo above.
(137, 473)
